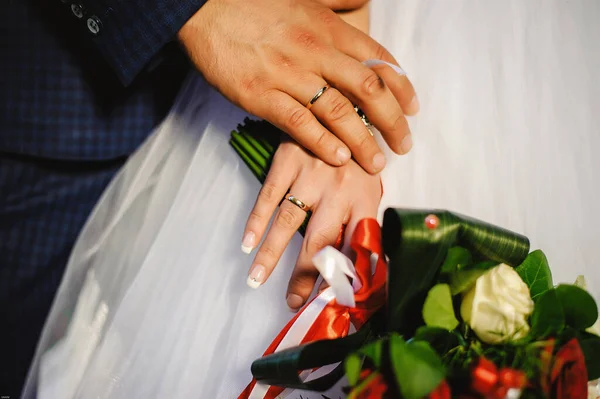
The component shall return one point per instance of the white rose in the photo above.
(498, 305)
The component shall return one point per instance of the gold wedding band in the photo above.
(317, 96)
(363, 118)
(298, 203)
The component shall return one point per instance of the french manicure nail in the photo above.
(248, 243)
(294, 301)
(256, 276)
(343, 155)
(406, 144)
(379, 161)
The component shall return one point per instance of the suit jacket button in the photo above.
(77, 10)
(94, 25)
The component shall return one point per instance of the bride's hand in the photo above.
(337, 196)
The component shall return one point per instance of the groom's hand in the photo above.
(272, 57)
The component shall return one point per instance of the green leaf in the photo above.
(417, 368)
(440, 339)
(548, 317)
(535, 272)
(462, 280)
(457, 258)
(438, 310)
(590, 345)
(579, 306)
(373, 351)
(352, 366)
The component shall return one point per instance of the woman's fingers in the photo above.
(323, 229)
(276, 184)
(287, 221)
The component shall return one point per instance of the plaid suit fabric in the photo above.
(59, 96)
(73, 106)
(133, 31)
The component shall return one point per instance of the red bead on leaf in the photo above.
(432, 222)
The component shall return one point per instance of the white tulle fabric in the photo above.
(154, 302)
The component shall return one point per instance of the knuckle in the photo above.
(317, 241)
(340, 108)
(281, 61)
(251, 85)
(322, 139)
(301, 280)
(372, 84)
(255, 217)
(267, 255)
(286, 218)
(379, 52)
(304, 39)
(347, 178)
(327, 16)
(398, 124)
(298, 119)
(267, 192)
(365, 140)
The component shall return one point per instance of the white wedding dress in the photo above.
(154, 302)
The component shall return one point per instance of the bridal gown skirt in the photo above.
(154, 302)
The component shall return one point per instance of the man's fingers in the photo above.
(360, 46)
(400, 86)
(366, 88)
(337, 113)
(287, 221)
(295, 119)
(323, 229)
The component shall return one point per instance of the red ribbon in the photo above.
(493, 383)
(334, 320)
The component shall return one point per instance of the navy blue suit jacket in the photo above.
(87, 79)
(82, 84)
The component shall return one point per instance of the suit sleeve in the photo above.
(130, 33)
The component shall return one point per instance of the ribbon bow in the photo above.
(329, 315)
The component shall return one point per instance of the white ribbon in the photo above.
(372, 63)
(335, 268)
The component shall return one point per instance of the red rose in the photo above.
(568, 377)
(441, 392)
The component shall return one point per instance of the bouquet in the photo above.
(445, 306)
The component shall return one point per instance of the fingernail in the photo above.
(414, 106)
(294, 301)
(379, 161)
(406, 144)
(248, 243)
(256, 276)
(343, 155)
